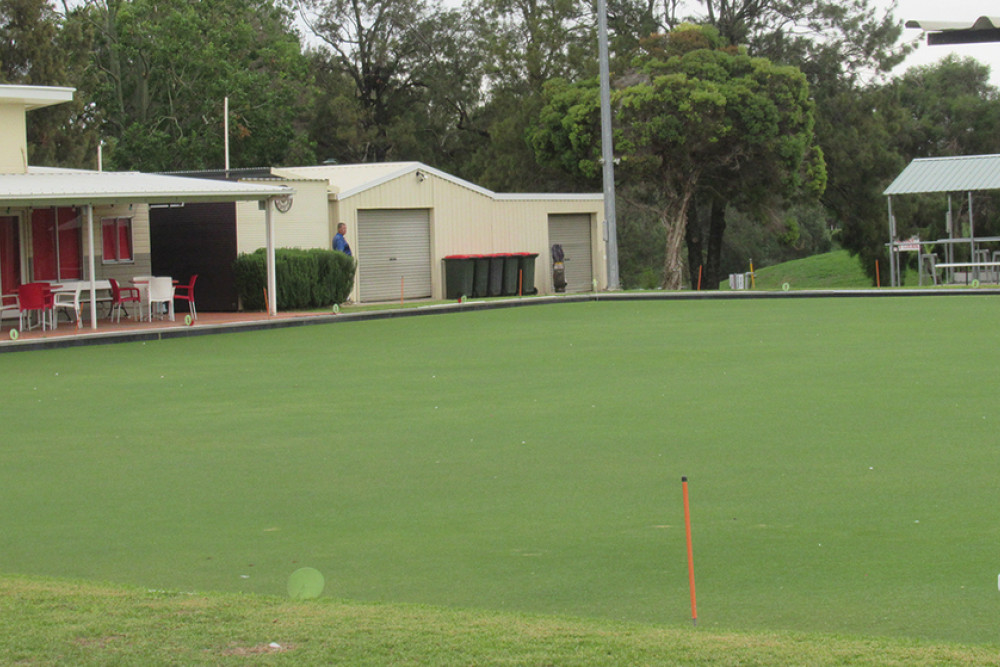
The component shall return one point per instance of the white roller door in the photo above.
(394, 254)
(572, 232)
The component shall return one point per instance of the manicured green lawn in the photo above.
(842, 457)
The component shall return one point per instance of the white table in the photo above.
(70, 293)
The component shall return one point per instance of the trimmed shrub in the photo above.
(314, 278)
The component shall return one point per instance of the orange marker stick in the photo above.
(687, 526)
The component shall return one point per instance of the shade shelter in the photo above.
(946, 175)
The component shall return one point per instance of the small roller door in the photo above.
(572, 232)
(394, 254)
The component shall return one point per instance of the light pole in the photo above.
(607, 147)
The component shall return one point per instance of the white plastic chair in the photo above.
(8, 304)
(161, 290)
(69, 301)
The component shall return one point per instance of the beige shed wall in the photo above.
(306, 225)
(465, 221)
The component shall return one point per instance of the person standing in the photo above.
(339, 242)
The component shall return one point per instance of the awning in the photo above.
(983, 29)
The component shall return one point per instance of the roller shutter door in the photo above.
(394, 251)
(572, 232)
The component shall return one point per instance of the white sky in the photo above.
(956, 10)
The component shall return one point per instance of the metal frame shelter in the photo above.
(946, 175)
(86, 189)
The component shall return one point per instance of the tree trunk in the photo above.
(716, 229)
(695, 245)
(674, 219)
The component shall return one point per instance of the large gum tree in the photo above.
(690, 113)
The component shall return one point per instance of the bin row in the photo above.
(502, 274)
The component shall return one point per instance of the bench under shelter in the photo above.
(951, 176)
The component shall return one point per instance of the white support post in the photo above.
(91, 266)
(272, 283)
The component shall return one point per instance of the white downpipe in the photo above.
(225, 128)
(272, 282)
(91, 266)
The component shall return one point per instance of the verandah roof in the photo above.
(61, 187)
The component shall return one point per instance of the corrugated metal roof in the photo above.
(948, 174)
(982, 23)
(51, 186)
(982, 30)
(350, 179)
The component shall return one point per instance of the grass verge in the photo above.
(52, 622)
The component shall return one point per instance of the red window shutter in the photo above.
(70, 257)
(124, 239)
(43, 244)
(109, 235)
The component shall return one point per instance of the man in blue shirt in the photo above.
(339, 242)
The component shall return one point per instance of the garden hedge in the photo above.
(314, 278)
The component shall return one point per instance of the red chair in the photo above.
(33, 297)
(188, 295)
(120, 296)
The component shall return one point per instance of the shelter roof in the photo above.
(350, 179)
(982, 29)
(69, 187)
(948, 174)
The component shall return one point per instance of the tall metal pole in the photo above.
(607, 147)
(892, 245)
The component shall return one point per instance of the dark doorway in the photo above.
(197, 239)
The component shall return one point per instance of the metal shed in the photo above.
(968, 174)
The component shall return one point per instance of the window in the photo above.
(55, 244)
(117, 236)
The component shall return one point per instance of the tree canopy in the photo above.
(484, 91)
(162, 69)
(688, 114)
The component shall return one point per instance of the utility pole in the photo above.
(607, 147)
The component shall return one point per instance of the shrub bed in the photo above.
(314, 278)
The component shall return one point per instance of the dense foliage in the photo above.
(692, 115)
(314, 278)
(459, 88)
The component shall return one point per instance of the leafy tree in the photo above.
(399, 80)
(838, 45)
(164, 67)
(35, 50)
(523, 44)
(689, 115)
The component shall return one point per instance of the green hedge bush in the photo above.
(314, 278)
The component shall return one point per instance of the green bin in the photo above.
(526, 266)
(481, 279)
(458, 276)
(509, 274)
(496, 275)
